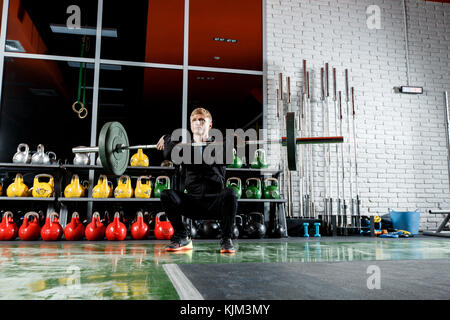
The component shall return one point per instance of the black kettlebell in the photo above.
(209, 229)
(193, 230)
(255, 226)
(235, 229)
(278, 230)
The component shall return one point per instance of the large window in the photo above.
(146, 64)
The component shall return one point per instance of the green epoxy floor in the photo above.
(133, 270)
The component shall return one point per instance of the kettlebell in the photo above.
(210, 229)
(235, 228)
(271, 191)
(18, 188)
(74, 189)
(278, 231)
(30, 230)
(143, 190)
(259, 160)
(237, 162)
(51, 230)
(1, 188)
(163, 229)
(43, 189)
(255, 226)
(96, 229)
(240, 224)
(161, 186)
(124, 189)
(75, 229)
(23, 154)
(8, 229)
(116, 230)
(139, 159)
(40, 157)
(236, 184)
(139, 229)
(81, 159)
(253, 191)
(192, 230)
(102, 189)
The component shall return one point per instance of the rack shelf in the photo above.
(155, 200)
(27, 199)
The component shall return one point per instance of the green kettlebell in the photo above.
(253, 191)
(271, 191)
(237, 162)
(236, 184)
(259, 160)
(161, 186)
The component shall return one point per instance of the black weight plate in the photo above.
(114, 159)
(291, 141)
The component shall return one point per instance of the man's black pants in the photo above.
(220, 206)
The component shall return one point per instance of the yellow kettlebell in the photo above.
(123, 189)
(102, 189)
(143, 190)
(1, 188)
(18, 188)
(74, 189)
(139, 159)
(43, 189)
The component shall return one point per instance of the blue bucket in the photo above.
(406, 220)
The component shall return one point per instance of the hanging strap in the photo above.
(82, 111)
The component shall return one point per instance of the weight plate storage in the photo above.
(291, 141)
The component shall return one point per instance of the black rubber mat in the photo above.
(400, 279)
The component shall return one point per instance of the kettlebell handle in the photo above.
(270, 179)
(23, 145)
(96, 214)
(255, 179)
(75, 215)
(52, 214)
(32, 213)
(260, 215)
(235, 178)
(8, 214)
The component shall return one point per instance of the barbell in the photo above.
(114, 148)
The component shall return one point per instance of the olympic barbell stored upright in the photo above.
(113, 145)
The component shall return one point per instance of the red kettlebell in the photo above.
(75, 229)
(116, 230)
(96, 229)
(30, 230)
(139, 229)
(52, 230)
(163, 229)
(8, 229)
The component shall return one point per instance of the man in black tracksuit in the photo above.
(206, 197)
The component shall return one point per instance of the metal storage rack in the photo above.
(63, 172)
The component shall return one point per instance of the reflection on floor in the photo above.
(133, 270)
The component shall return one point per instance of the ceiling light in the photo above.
(106, 89)
(205, 78)
(224, 40)
(56, 28)
(112, 67)
(14, 45)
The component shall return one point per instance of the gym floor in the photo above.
(286, 269)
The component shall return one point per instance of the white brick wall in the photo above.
(402, 155)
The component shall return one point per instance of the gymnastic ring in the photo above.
(75, 109)
(83, 109)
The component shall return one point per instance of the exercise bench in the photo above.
(439, 232)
